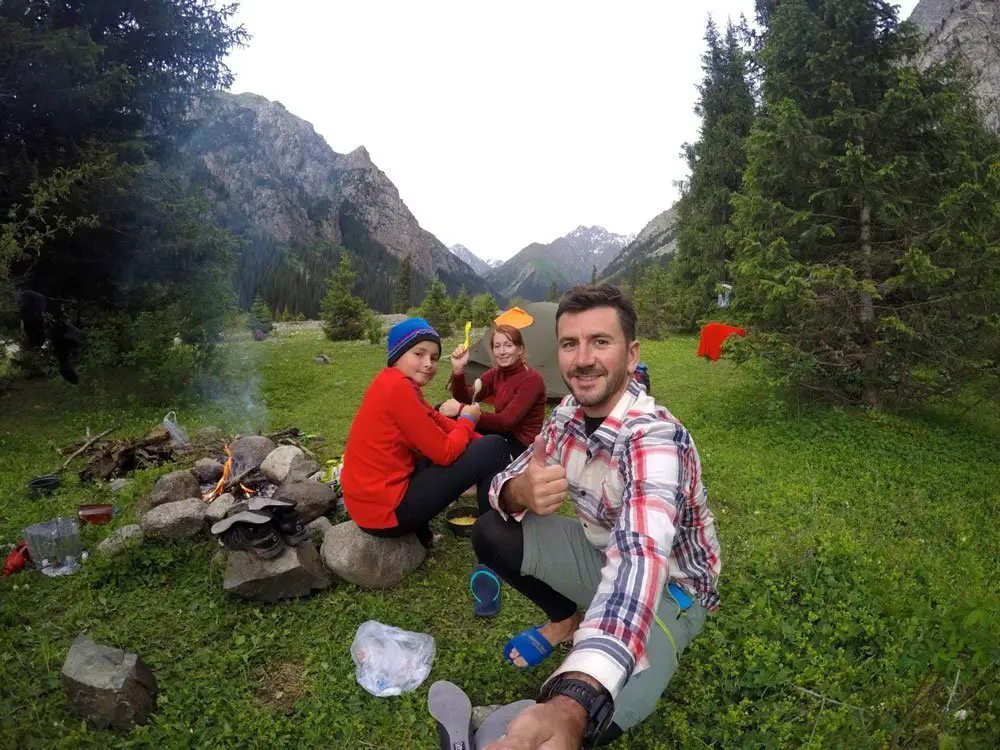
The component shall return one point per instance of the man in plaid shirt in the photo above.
(641, 558)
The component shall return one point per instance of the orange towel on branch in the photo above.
(712, 336)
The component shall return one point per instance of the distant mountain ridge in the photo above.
(278, 183)
(656, 243)
(477, 264)
(567, 261)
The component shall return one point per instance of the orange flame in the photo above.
(219, 487)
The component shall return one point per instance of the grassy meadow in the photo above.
(859, 589)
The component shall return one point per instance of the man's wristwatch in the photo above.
(595, 701)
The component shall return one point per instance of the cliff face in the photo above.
(969, 29)
(270, 174)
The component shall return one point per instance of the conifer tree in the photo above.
(436, 308)
(652, 298)
(867, 261)
(345, 317)
(462, 310)
(716, 161)
(484, 310)
(404, 282)
(553, 295)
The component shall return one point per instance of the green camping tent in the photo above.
(540, 346)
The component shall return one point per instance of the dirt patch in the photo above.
(280, 685)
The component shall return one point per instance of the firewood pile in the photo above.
(110, 458)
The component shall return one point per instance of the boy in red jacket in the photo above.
(404, 462)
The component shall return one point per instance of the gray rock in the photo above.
(322, 359)
(248, 452)
(303, 469)
(175, 520)
(207, 470)
(312, 499)
(370, 561)
(115, 486)
(173, 487)
(278, 463)
(296, 572)
(120, 539)
(219, 508)
(479, 714)
(318, 528)
(107, 686)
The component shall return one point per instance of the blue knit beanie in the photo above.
(407, 334)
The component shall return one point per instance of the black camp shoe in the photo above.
(249, 532)
(284, 517)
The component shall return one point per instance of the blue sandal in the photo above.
(485, 586)
(531, 646)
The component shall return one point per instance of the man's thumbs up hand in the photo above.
(545, 485)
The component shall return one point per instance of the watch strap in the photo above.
(595, 701)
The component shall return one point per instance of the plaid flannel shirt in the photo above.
(636, 484)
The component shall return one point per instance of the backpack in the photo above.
(642, 375)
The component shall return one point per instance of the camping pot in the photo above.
(95, 514)
(43, 485)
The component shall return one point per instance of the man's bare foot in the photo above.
(555, 633)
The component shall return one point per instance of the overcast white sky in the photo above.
(504, 123)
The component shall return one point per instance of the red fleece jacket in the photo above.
(517, 395)
(392, 430)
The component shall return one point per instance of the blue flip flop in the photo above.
(485, 586)
(531, 646)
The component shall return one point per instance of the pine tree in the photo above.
(404, 282)
(345, 317)
(652, 298)
(484, 310)
(593, 275)
(866, 261)
(436, 308)
(553, 292)
(462, 310)
(261, 318)
(716, 161)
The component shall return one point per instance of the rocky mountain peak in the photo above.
(969, 29)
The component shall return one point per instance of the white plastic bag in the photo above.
(177, 433)
(391, 661)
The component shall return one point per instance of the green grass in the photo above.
(860, 559)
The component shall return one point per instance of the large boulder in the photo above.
(173, 487)
(312, 499)
(278, 463)
(303, 469)
(207, 470)
(372, 562)
(248, 452)
(296, 572)
(120, 539)
(175, 520)
(107, 686)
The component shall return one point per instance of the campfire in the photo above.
(242, 486)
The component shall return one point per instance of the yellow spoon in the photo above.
(468, 327)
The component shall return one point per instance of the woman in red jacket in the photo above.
(516, 392)
(404, 462)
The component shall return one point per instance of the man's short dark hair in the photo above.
(587, 297)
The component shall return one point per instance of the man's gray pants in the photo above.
(557, 552)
